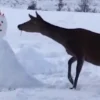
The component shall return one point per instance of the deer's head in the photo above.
(35, 24)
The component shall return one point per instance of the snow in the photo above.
(31, 59)
(3, 25)
(41, 63)
(12, 74)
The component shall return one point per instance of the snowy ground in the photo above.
(45, 61)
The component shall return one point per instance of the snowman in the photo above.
(3, 25)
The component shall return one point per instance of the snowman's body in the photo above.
(3, 25)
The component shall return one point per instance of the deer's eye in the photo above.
(1, 21)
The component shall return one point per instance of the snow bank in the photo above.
(34, 62)
(12, 74)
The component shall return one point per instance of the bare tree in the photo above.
(33, 5)
(60, 5)
(84, 6)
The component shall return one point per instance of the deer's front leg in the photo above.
(71, 60)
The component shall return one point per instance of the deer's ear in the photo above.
(38, 16)
(31, 16)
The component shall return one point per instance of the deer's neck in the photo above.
(54, 32)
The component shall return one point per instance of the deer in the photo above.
(81, 44)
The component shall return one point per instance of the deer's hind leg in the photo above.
(71, 60)
(78, 70)
(75, 48)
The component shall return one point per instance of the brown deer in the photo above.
(81, 44)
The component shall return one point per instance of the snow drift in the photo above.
(12, 74)
(34, 62)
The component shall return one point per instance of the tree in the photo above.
(84, 6)
(60, 5)
(33, 5)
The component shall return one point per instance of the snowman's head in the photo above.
(3, 25)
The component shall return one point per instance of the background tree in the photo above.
(84, 6)
(60, 5)
(33, 5)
